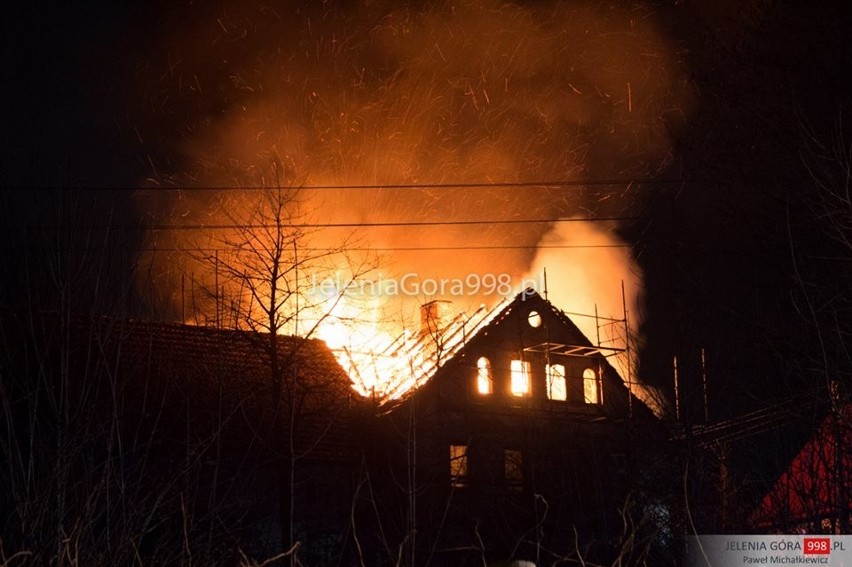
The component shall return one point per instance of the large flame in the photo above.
(495, 97)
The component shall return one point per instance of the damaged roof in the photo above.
(413, 359)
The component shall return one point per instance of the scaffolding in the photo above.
(604, 349)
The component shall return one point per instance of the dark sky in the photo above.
(65, 78)
(735, 255)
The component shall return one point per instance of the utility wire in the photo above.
(467, 247)
(402, 248)
(407, 224)
(377, 186)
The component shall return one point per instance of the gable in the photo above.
(817, 485)
(526, 331)
(537, 356)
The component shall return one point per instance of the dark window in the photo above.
(513, 465)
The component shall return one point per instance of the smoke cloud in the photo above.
(372, 93)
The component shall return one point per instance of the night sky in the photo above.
(733, 100)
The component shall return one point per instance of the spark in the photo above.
(377, 96)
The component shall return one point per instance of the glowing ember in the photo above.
(388, 368)
(492, 98)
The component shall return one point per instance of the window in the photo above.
(513, 464)
(520, 378)
(484, 379)
(591, 387)
(458, 466)
(556, 387)
(534, 319)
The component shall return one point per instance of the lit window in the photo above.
(534, 319)
(458, 466)
(484, 380)
(591, 387)
(556, 388)
(520, 378)
(513, 464)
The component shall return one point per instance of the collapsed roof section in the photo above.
(394, 370)
(411, 360)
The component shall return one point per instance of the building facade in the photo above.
(509, 436)
(519, 444)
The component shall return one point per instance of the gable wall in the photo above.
(573, 453)
(510, 338)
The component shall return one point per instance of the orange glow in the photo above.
(591, 387)
(520, 378)
(329, 109)
(484, 379)
(388, 368)
(587, 280)
(346, 325)
(556, 386)
(361, 346)
(458, 466)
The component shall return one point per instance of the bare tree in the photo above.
(84, 476)
(781, 468)
(264, 274)
(824, 280)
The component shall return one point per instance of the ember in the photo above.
(456, 141)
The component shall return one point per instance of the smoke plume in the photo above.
(501, 95)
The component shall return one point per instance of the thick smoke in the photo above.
(371, 93)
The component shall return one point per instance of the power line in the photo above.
(409, 224)
(402, 248)
(379, 186)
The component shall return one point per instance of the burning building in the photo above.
(513, 443)
(476, 129)
(511, 437)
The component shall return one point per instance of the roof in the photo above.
(238, 361)
(412, 360)
(202, 371)
(818, 482)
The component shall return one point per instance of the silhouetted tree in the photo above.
(264, 273)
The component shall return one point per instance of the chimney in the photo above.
(434, 317)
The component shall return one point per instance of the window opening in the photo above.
(484, 378)
(514, 468)
(520, 378)
(556, 386)
(534, 319)
(458, 466)
(591, 387)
